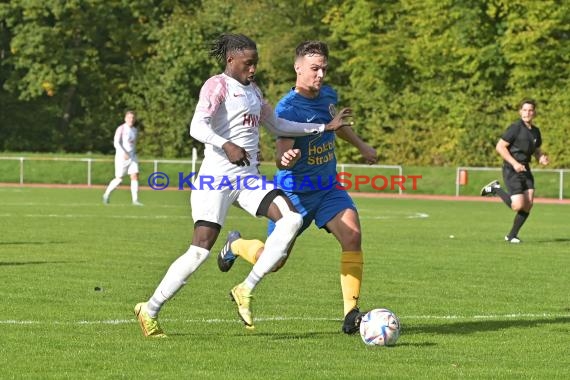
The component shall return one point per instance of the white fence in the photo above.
(89, 163)
(461, 169)
(194, 162)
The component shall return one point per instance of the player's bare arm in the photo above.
(341, 119)
(541, 157)
(368, 153)
(503, 149)
(236, 154)
(286, 155)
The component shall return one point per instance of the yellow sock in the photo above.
(351, 264)
(247, 249)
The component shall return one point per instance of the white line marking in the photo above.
(417, 215)
(283, 318)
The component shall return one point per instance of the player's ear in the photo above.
(297, 68)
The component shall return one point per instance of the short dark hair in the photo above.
(229, 42)
(312, 47)
(527, 101)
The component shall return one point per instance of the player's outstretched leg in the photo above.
(115, 182)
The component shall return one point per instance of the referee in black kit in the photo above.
(517, 145)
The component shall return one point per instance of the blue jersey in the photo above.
(311, 184)
(316, 169)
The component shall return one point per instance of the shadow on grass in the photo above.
(481, 326)
(30, 242)
(296, 336)
(272, 335)
(556, 240)
(420, 344)
(8, 263)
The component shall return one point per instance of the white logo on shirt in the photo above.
(309, 119)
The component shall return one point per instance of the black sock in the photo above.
(504, 196)
(520, 218)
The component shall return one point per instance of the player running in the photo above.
(308, 176)
(517, 145)
(227, 118)
(126, 161)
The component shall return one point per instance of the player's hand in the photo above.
(290, 157)
(342, 119)
(369, 154)
(126, 156)
(519, 168)
(543, 160)
(236, 154)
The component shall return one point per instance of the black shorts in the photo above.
(517, 183)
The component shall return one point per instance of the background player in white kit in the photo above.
(126, 161)
(227, 118)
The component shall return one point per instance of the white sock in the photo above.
(112, 186)
(135, 190)
(276, 247)
(175, 277)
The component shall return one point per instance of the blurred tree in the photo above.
(432, 82)
(78, 56)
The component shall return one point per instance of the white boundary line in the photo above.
(415, 215)
(281, 318)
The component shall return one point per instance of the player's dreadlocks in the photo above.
(312, 47)
(228, 42)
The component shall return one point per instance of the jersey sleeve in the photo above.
(511, 133)
(118, 140)
(212, 94)
(279, 126)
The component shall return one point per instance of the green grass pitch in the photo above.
(471, 306)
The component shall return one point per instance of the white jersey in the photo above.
(125, 140)
(230, 111)
(233, 111)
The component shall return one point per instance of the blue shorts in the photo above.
(319, 206)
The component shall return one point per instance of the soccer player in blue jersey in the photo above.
(308, 176)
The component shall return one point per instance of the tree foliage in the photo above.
(433, 82)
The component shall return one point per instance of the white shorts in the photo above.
(123, 167)
(213, 205)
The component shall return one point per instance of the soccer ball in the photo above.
(380, 327)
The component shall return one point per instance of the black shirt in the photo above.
(523, 142)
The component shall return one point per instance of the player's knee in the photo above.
(352, 239)
(293, 220)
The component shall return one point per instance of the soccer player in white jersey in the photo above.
(126, 161)
(229, 112)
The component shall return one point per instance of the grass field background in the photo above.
(471, 306)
